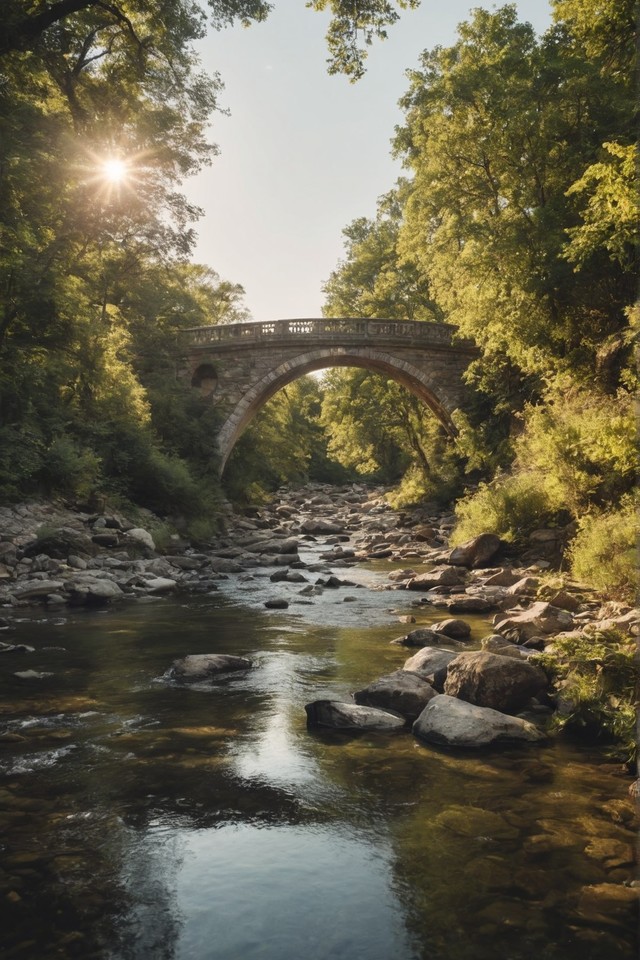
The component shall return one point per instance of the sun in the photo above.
(114, 170)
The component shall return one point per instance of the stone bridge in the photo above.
(241, 365)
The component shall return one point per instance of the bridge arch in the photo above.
(426, 385)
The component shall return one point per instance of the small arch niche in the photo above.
(205, 379)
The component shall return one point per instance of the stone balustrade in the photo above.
(362, 328)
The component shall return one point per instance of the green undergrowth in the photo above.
(596, 681)
(604, 552)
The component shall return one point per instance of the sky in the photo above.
(302, 153)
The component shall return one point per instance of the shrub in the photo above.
(69, 468)
(511, 506)
(595, 677)
(604, 552)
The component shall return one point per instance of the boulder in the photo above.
(321, 526)
(429, 660)
(276, 604)
(477, 552)
(160, 585)
(418, 638)
(60, 543)
(141, 537)
(278, 546)
(526, 585)
(350, 716)
(461, 603)
(456, 629)
(494, 680)
(504, 577)
(539, 618)
(401, 692)
(200, 667)
(450, 722)
(438, 577)
(37, 588)
(94, 592)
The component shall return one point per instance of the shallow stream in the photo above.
(144, 821)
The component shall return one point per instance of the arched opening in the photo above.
(205, 379)
(416, 381)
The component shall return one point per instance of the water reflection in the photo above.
(143, 820)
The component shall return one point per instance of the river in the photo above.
(145, 821)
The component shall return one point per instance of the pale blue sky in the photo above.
(304, 153)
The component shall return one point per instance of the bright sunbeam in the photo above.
(114, 170)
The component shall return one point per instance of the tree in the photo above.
(498, 128)
(353, 26)
(373, 280)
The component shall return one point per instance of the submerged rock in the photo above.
(205, 666)
(340, 715)
(450, 722)
(418, 638)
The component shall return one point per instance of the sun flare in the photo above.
(114, 170)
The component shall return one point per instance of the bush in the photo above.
(439, 487)
(604, 552)
(595, 677)
(511, 506)
(69, 468)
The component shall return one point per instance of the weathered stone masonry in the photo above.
(240, 366)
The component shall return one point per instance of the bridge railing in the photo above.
(328, 328)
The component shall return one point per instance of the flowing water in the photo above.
(145, 821)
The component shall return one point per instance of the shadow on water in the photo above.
(144, 820)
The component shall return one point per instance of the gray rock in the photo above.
(438, 577)
(350, 716)
(465, 604)
(418, 638)
(539, 618)
(32, 675)
(527, 585)
(456, 629)
(60, 543)
(493, 680)
(321, 526)
(401, 692)
(477, 552)
(37, 588)
(429, 660)
(276, 604)
(200, 667)
(160, 585)
(93, 592)
(142, 536)
(449, 722)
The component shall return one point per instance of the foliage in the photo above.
(595, 677)
(373, 280)
(605, 550)
(285, 443)
(353, 27)
(510, 506)
(583, 446)
(498, 129)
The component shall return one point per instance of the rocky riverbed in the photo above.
(56, 557)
